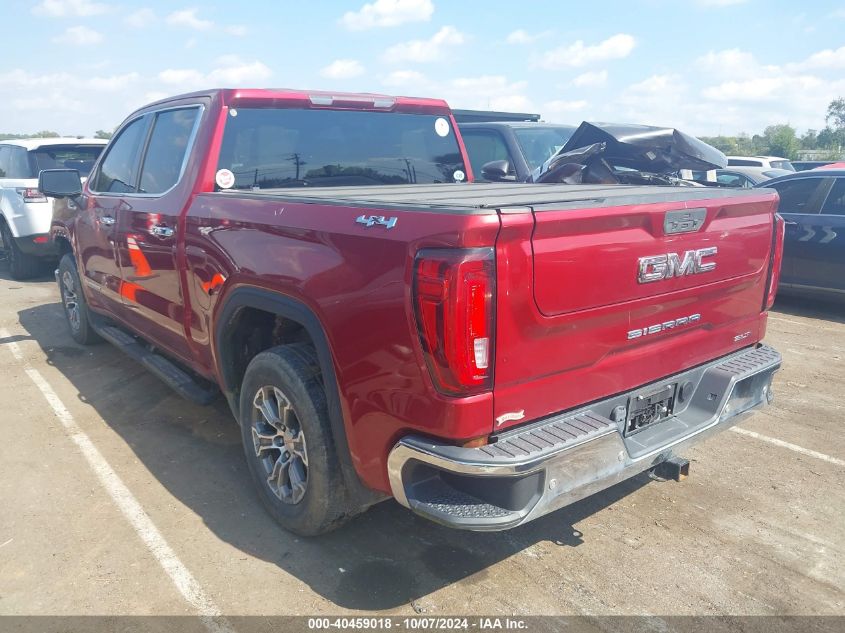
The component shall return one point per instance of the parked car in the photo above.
(485, 353)
(597, 153)
(25, 214)
(747, 177)
(804, 165)
(524, 145)
(838, 165)
(813, 205)
(769, 162)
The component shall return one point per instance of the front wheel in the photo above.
(77, 314)
(288, 441)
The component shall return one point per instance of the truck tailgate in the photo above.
(596, 298)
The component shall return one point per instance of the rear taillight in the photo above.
(776, 261)
(31, 195)
(454, 302)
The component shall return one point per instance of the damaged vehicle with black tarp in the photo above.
(611, 153)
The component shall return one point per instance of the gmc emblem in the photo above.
(657, 267)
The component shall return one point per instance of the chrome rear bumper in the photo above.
(549, 464)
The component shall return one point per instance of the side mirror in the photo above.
(497, 170)
(60, 183)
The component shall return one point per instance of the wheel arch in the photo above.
(7, 212)
(227, 322)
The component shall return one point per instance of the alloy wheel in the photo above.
(70, 300)
(279, 444)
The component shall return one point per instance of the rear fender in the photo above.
(297, 311)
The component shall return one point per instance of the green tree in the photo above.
(103, 134)
(836, 113)
(781, 140)
(809, 140)
(46, 134)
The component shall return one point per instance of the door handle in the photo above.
(161, 230)
(107, 220)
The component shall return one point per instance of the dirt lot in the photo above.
(758, 528)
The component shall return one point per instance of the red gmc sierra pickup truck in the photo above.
(381, 325)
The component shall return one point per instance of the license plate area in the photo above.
(649, 408)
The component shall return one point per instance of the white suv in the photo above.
(766, 162)
(25, 214)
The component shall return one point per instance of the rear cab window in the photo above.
(78, 157)
(269, 148)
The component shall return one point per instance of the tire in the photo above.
(21, 265)
(77, 313)
(304, 492)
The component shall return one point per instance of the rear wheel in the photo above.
(76, 308)
(21, 265)
(288, 442)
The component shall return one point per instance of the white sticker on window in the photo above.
(233, 112)
(441, 126)
(459, 175)
(225, 179)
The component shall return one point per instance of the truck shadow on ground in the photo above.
(383, 559)
(811, 307)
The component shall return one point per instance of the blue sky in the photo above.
(705, 66)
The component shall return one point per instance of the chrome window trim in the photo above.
(188, 147)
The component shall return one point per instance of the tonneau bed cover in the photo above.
(482, 196)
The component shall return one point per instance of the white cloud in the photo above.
(385, 13)
(828, 59)
(113, 83)
(188, 18)
(491, 92)
(343, 69)
(590, 79)
(79, 36)
(511, 103)
(719, 3)
(181, 76)
(521, 36)
(236, 73)
(732, 62)
(560, 107)
(238, 30)
(763, 88)
(140, 18)
(425, 50)
(68, 103)
(68, 8)
(231, 72)
(578, 54)
(405, 78)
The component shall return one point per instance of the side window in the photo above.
(4, 160)
(731, 179)
(119, 168)
(799, 195)
(739, 162)
(18, 165)
(166, 149)
(835, 203)
(484, 146)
